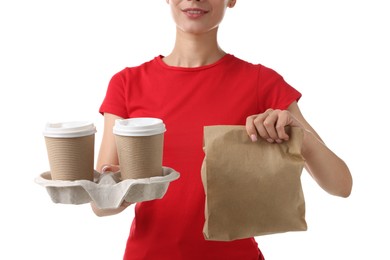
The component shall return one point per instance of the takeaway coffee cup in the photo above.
(70, 149)
(140, 146)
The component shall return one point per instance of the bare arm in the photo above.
(327, 169)
(108, 156)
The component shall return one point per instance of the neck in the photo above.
(194, 50)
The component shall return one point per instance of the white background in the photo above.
(56, 58)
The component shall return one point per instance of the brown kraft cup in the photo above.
(70, 150)
(140, 147)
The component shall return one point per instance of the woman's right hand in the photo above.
(108, 212)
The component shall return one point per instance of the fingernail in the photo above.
(253, 138)
(270, 140)
(105, 168)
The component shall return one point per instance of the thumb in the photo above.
(110, 168)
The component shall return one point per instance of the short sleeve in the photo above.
(115, 99)
(273, 91)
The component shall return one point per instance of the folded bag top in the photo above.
(252, 188)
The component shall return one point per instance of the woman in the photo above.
(199, 84)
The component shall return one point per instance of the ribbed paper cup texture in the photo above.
(71, 158)
(140, 156)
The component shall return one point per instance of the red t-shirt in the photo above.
(187, 99)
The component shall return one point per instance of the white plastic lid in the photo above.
(139, 126)
(69, 129)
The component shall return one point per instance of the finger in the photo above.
(251, 128)
(105, 168)
(283, 121)
(110, 168)
(270, 126)
(115, 168)
(259, 125)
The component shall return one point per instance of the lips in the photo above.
(194, 12)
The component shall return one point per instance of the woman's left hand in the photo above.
(329, 171)
(270, 125)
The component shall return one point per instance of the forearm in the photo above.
(329, 171)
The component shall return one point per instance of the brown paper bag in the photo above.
(252, 188)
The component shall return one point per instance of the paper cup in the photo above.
(70, 149)
(139, 144)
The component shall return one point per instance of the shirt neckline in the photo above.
(166, 66)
